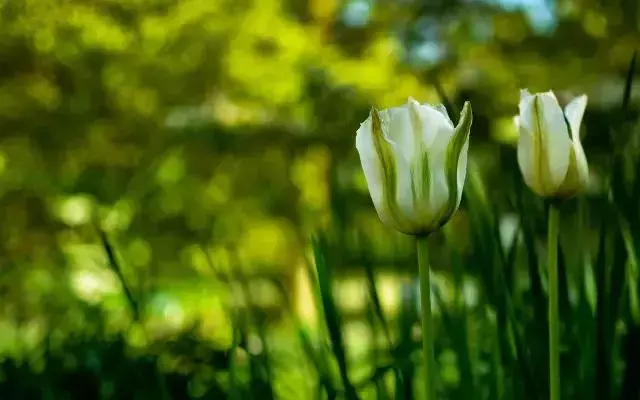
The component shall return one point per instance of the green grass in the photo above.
(495, 347)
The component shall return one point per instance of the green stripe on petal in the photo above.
(425, 176)
(540, 148)
(420, 179)
(389, 171)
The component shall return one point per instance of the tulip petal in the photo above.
(443, 110)
(457, 154)
(439, 195)
(578, 174)
(526, 158)
(434, 123)
(525, 155)
(397, 127)
(574, 112)
(463, 161)
(430, 190)
(581, 164)
(524, 94)
(449, 180)
(430, 182)
(542, 117)
(371, 166)
(406, 201)
(420, 166)
(386, 171)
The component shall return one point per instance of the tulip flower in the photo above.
(415, 163)
(550, 155)
(553, 164)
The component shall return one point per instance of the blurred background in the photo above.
(210, 140)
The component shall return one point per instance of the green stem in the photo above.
(427, 326)
(554, 331)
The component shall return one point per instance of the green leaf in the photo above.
(332, 316)
(628, 84)
(369, 270)
(602, 362)
(117, 269)
(407, 319)
(235, 391)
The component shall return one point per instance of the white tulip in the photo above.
(415, 164)
(550, 155)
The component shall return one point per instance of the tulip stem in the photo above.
(427, 326)
(554, 330)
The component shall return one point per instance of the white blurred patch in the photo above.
(509, 226)
(93, 285)
(74, 210)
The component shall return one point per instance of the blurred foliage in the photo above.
(209, 139)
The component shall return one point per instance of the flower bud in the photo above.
(550, 155)
(415, 163)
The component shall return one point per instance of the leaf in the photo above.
(622, 128)
(373, 296)
(116, 268)
(602, 376)
(628, 84)
(407, 318)
(332, 316)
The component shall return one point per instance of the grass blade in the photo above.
(602, 380)
(332, 316)
(631, 358)
(375, 299)
(116, 268)
(407, 319)
(628, 84)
